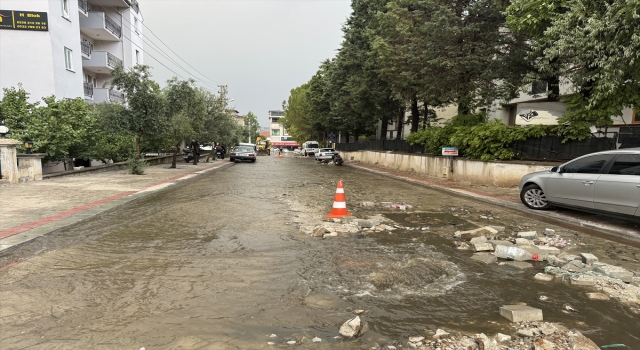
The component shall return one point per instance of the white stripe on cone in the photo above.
(339, 190)
(340, 205)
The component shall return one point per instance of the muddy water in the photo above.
(218, 263)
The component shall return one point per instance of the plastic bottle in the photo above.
(514, 253)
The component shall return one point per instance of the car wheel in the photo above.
(533, 197)
(231, 159)
(253, 160)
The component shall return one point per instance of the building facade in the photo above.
(279, 136)
(72, 47)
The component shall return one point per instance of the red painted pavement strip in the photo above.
(61, 215)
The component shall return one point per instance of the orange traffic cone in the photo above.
(339, 204)
(280, 154)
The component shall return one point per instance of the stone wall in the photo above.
(503, 174)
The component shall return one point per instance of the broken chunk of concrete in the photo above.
(615, 272)
(367, 204)
(549, 232)
(483, 247)
(467, 235)
(543, 277)
(597, 296)
(440, 334)
(480, 239)
(486, 343)
(497, 228)
(523, 241)
(351, 328)
(588, 258)
(520, 313)
(527, 234)
(503, 338)
(486, 258)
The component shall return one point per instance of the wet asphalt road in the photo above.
(218, 262)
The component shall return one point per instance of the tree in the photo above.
(252, 126)
(107, 142)
(143, 115)
(297, 118)
(220, 128)
(185, 113)
(592, 45)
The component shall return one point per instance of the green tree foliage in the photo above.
(144, 114)
(592, 45)
(251, 127)
(109, 143)
(220, 126)
(298, 118)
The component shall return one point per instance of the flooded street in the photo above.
(220, 262)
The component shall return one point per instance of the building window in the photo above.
(65, 8)
(275, 120)
(275, 132)
(136, 25)
(137, 57)
(538, 87)
(68, 59)
(636, 117)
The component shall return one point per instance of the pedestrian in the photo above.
(195, 151)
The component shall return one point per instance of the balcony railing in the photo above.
(113, 61)
(112, 26)
(83, 5)
(86, 47)
(88, 89)
(116, 96)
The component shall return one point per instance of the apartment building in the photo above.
(68, 48)
(279, 135)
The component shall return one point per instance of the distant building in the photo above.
(68, 48)
(279, 136)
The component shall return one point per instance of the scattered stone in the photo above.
(543, 277)
(523, 241)
(486, 343)
(569, 257)
(588, 258)
(271, 343)
(548, 248)
(359, 311)
(479, 239)
(528, 234)
(486, 258)
(569, 308)
(291, 342)
(597, 296)
(316, 340)
(543, 344)
(616, 272)
(503, 338)
(367, 223)
(468, 235)
(547, 329)
(497, 228)
(351, 328)
(367, 204)
(391, 347)
(272, 336)
(528, 333)
(543, 298)
(518, 264)
(416, 339)
(319, 232)
(582, 281)
(519, 313)
(549, 232)
(574, 266)
(483, 217)
(440, 334)
(483, 247)
(495, 243)
(332, 234)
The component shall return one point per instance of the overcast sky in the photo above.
(260, 49)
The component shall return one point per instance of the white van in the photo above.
(310, 148)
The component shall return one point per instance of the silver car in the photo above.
(603, 182)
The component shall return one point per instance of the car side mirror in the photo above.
(555, 169)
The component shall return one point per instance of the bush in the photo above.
(136, 165)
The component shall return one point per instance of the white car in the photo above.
(325, 154)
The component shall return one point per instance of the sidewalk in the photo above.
(32, 209)
(509, 197)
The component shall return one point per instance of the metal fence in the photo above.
(397, 145)
(552, 148)
(542, 148)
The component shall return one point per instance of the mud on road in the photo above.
(220, 262)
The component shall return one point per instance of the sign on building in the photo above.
(24, 20)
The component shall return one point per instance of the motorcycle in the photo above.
(337, 159)
(187, 155)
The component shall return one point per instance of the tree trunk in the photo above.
(384, 127)
(415, 114)
(425, 121)
(400, 123)
(346, 134)
(175, 155)
(138, 146)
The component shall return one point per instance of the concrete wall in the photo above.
(503, 174)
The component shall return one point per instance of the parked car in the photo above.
(242, 153)
(603, 182)
(325, 154)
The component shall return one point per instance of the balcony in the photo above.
(101, 62)
(106, 95)
(86, 47)
(99, 26)
(135, 6)
(83, 7)
(88, 91)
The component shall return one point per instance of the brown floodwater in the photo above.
(219, 262)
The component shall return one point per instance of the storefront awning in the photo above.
(285, 143)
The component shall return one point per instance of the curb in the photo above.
(598, 229)
(14, 236)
